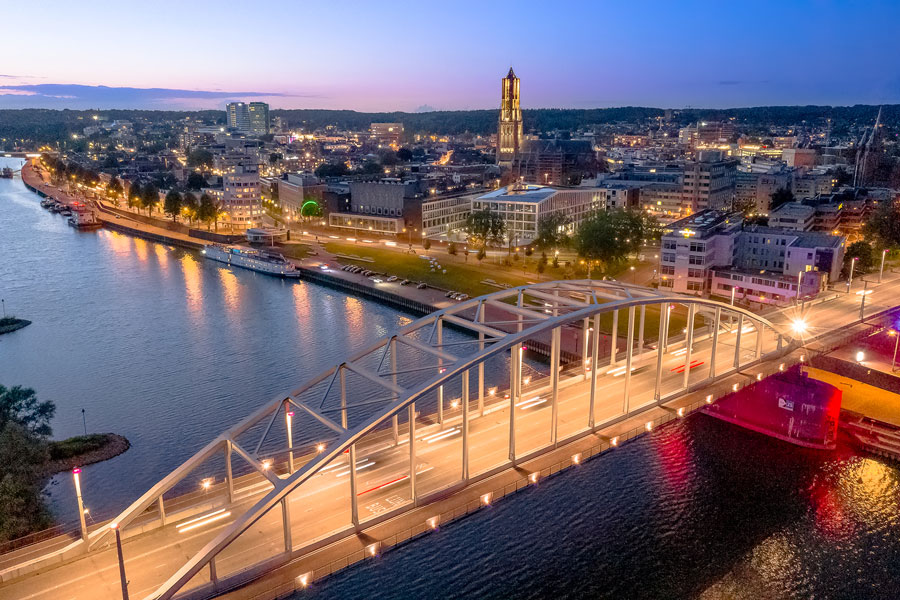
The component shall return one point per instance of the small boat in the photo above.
(66, 212)
(6, 173)
(263, 261)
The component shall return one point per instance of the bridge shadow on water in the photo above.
(699, 508)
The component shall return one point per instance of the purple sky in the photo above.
(451, 55)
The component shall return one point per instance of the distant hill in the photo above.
(45, 125)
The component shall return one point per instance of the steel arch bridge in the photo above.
(447, 400)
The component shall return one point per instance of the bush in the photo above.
(80, 444)
(10, 320)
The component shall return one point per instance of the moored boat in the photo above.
(263, 261)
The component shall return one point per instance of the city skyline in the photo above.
(409, 58)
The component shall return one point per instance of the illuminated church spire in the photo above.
(509, 130)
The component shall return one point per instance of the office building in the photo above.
(258, 120)
(296, 190)
(387, 134)
(523, 207)
(238, 116)
(691, 247)
(708, 183)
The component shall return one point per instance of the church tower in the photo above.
(509, 131)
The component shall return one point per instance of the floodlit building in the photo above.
(708, 183)
(693, 246)
(387, 134)
(509, 129)
(445, 215)
(295, 190)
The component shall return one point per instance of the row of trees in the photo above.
(605, 239)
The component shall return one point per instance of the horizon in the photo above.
(371, 58)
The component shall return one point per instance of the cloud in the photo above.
(57, 95)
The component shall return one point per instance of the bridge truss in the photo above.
(449, 399)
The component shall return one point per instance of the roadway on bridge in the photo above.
(321, 505)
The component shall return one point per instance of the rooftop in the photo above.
(704, 222)
(521, 192)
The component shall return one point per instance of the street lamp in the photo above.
(881, 272)
(863, 293)
(633, 275)
(850, 279)
(76, 475)
(115, 527)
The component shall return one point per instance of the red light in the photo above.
(76, 470)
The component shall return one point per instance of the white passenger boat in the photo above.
(263, 261)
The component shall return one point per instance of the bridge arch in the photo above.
(385, 405)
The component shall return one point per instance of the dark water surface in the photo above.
(168, 350)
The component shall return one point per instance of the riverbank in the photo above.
(10, 324)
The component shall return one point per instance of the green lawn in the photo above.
(460, 276)
(294, 250)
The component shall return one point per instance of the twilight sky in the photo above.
(391, 55)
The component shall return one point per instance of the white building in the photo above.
(442, 216)
(524, 206)
(241, 197)
(238, 116)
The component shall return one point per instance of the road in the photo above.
(321, 506)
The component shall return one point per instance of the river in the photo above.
(167, 349)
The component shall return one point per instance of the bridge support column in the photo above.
(412, 451)
(585, 331)
(395, 420)
(288, 422)
(689, 345)
(554, 382)
(229, 478)
(162, 511)
(440, 391)
(661, 346)
(481, 365)
(715, 342)
(515, 353)
(213, 576)
(759, 340)
(595, 352)
(614, 338)
(629, 357)
(465, 425)
(286, 525)
(737, 342)
(640, 346)
(354, 503)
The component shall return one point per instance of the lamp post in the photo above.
(862, 302)
(850, 279)
(115, 527)
(76, 475)
(799, 283)
(881, 271)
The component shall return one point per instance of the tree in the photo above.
(332, 170)
(274, 157)
(21, 508)
(200, 158)
(481, 254)
(207, 211)
(114, 190)
(541, 267)
(195, 181)
(884, 225)
(610, 236)
(551, 232)
(134, 194)
(426, 243)
(189, 205)
(404, 154)
(451, 248)
(149, 197)
(864, 254)
(485, 228)
(20, 406)
(172, 204)
(781, 196)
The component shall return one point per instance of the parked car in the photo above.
(392, 278)
(405, 282)
(421, 286)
